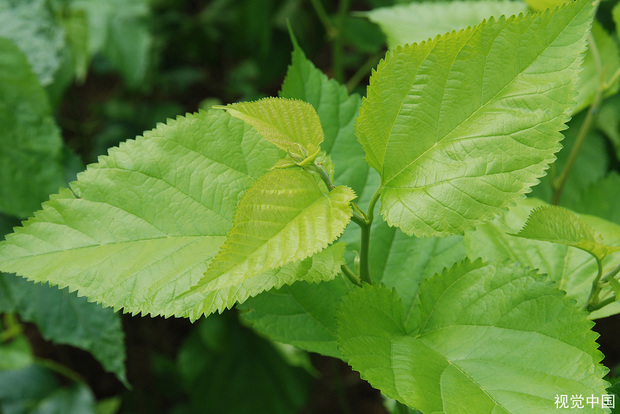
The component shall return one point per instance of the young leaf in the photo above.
(482, 338)
(284, 217)
(30, 147)
(461, 126)
(289, 124)
(417, 22)
(559, 225)
(303, 314)
(140, 226)
(64, 318)
(337, 111)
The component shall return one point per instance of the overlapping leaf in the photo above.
(139, 227)
(225, 368)
(64, 318)
(591, 165)
(337, 111)
(284, 217)
(601, 199)
(303, 314)
(473, 342)
(30, 144)
(417, 22)
(572, 269)
(289, 124)
(559, 225)
(461, 126)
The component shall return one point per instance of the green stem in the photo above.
(363, 71)
(60, 369)
(560, 182)
(12, 327)
(350, 275)
(365, 226)
(338, 40)
(601, 304)
(323, 17)
(364, 251)
(611, 274)
(324, 176)
(596, 286)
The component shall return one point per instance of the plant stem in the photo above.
(596, 286)
(365, 225)
(323, 17)
(364, 249)
(338, 43)
(601, 304)
(12, 327)
(60, 369)
(363, 71)
(350, 275)
(611, 274)
(560, 182)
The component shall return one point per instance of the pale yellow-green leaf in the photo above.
(290, 124)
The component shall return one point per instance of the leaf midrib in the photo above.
(491, 99)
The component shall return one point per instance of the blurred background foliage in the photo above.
(80, 76)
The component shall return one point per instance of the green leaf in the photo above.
(284, 217)
(458, 150)
(608, 121)
(303, 314)
(590, 79)
(119, 30)
(417, 22)
(241, 373)
(32, 27)
(289, 124)
(64, 318)
(572, 269)
(545, 4)
(139, 227)
(30, 148)
(601, 199)
(481, 338)
(590, 166)
(16, 354)
(337, 111)
(559, 225)
(34, 390)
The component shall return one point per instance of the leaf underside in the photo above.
(473, 342)
(572, 269)
(417, 22)
(559, 225)
(461, 126)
